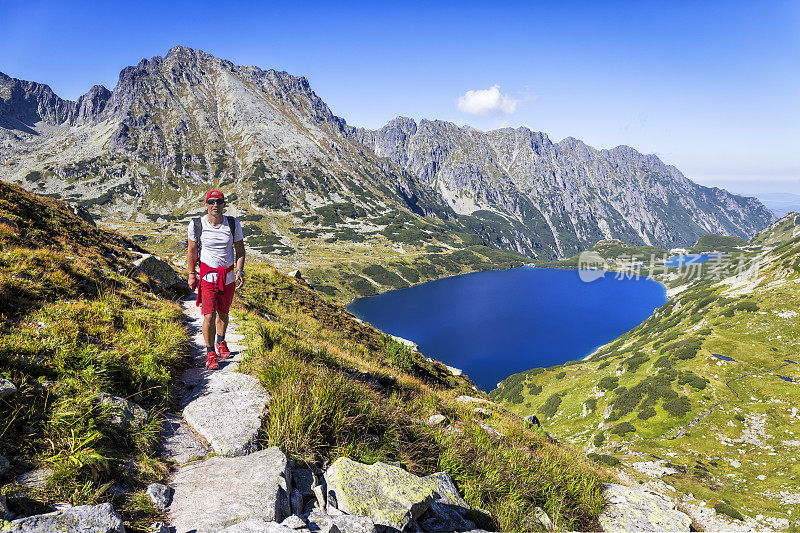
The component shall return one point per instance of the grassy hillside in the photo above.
(717, 243)
(341, 388)
(780, 231)
(707, 385)
(78, 320)
(616, 253)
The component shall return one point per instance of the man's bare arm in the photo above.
(191, 263)
(238, 248)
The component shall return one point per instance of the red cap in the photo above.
(214, 194)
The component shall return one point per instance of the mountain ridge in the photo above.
(177, 124)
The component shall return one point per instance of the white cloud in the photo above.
(487, 101)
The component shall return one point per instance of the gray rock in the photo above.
(294, 522)
(123, 413)
(302, 480)
(178, 442)
(490, 430)
(633, 509)
(296, 501)
(35, 479)
(4, 510)
(159, 271)
(160, 495)
(228, 413)
(386, 494)
(544, 519)
(5, 466)
(445, 491)
(532, 419)
(160, 527)
(435, 420)
(223, 491)
(323, 523)
(481, 411)
(84, 518)
(256, 525)
(471, 399)
(7, 389)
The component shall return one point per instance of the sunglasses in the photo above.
(215, 201)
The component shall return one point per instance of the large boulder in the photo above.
(633, 509)
(161, 273)
(386, 494)
(228, 413)
(123, 413)
(84, 518)
(221, 492)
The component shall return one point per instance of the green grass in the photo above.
(341, 388)
(78, 321)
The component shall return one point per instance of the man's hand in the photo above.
(192, 280)
(239, 280)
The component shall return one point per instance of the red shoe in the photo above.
(211, 361)
(223, 351)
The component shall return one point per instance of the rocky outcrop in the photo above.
(386, 494)
(559, 198)
(89, 518)
(633, 509)
(224, 491)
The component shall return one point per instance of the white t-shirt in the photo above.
(216, 246)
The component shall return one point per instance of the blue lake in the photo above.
(689, 259)
(494, 324)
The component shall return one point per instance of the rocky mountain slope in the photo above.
(174, 126)
(520, 189)
(701, 398)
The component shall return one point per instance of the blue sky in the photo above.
(711, 87)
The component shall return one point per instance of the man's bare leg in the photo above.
(222, 323)
(210, 322)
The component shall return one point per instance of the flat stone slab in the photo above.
(84, 518)
(178, 442)
(632, 509)
(255, 525)
(224, 491)
(386, 494)
(228, 413)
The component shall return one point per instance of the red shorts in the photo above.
(216, 301)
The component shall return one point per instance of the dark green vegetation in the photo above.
(660, 390)
(717, 243)
(343, 388)
(79, 321)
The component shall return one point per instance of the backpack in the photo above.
(198, 230)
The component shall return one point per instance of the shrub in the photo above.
(622, 429)
(599, 439)
(608, 383)
(385, 277)
(692, 379)
(635, 361)
(591, 404)
(550, 407)
(647, 412)
(747, 305)
(685, 349)
(678, 407)
(398, 354)
(726, 509)
(739, 417)
(533, 389)
(603, 365)
(560, 375)
(603, 458)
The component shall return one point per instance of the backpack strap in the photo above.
(198, 231)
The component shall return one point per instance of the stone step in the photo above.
(220, 492)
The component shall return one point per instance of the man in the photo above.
(219, 236)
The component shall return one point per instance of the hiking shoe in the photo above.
(211, 361)
(223, 351)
